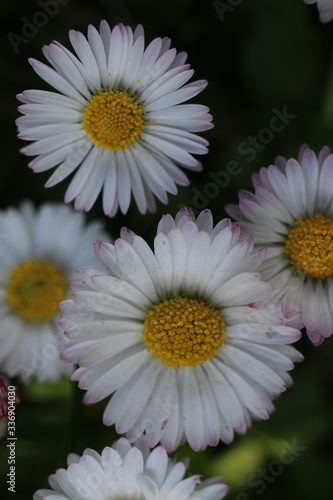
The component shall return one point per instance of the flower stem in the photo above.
(72, 431)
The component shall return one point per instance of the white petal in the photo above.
(179, 257)
(110, 184)
(192, 409)
(58, 82)
(297, 186)
(242, 289)
(135, 268)
(325, 183)
(125, 405)
(171, 150)
(310, 172)
(82, 175)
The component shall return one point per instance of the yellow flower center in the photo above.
(113, 119)
(183, 332)
(34, 290)
(309, 246)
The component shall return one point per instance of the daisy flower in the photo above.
(118, 118)
(172, 334)
(291, 213)
(126, 471)
(38, 253)
(325, 9)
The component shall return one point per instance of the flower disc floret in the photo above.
(310, 246)
(113, 119)
(183, 331)
(34, 290)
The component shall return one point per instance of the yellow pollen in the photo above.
(34, 290)
(183, 332)
(309, 246)
(113, 119)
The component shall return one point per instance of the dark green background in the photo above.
(264, 55)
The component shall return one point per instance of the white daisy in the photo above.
(291, 213)
(173, 336)
(128, 472)
(38, 254)
(325, 9)
(118, 118)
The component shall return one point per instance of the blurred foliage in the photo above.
(264, 55)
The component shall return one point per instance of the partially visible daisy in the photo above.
(8, 399)
(325, 9)
(172, 334)
(291, 213)
(38, 256)
(118, 118)
(128, 472)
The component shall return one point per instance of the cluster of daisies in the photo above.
(191, 340)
